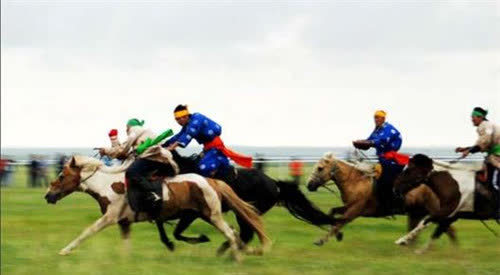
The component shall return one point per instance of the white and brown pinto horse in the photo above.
(443, 193)
(188, 192)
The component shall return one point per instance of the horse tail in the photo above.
(245, 211)
(299, 206)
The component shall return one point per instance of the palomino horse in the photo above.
(355, 183)
(446, 196)
(188, 192)
(262, 192)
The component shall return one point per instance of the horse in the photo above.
(356, 185)
(188, 192)
(445, 194)
(258, 189)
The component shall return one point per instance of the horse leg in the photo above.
(452, 234)
(413, 219)
(97, 226)
(246, 235)
(337, 210)
(443, 227)
(351, 212)
(125, 233)
(406, 239)
(184, 223)
(163, 235)
(217, 221)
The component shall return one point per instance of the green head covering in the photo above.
(479, 112)
(135, 122)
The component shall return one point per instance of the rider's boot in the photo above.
(153, 197)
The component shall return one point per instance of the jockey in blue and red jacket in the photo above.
(386, 140)
(207, 132)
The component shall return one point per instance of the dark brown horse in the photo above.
(442, 196)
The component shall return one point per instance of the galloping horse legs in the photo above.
(337, 210)
(246, 235)
(125, 233)
(163, 235)
(97, 226)
(184, 223)
(408, 238)
(351, 212)
(443, 226)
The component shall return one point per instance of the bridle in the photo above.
(91, 175)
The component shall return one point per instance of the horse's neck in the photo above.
(100, 183)
(347, 176)
(186, 165)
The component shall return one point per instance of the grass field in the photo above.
(33, 232)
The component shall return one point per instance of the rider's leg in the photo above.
(384, 186)
(493, 174)
(209, 164)
(141, 189)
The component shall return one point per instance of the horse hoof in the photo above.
(171, 246)
(237, 257)
(253, 251)
(204, 238)
(401, 242)
(420, 251)
(340, 236)
(319, 242)
(64, 252)
(222, 249)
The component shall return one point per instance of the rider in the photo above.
(143, 194)
(487, 142)
(214, 161)
(387, 140)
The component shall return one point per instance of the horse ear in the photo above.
(328, 156)
(72, 163)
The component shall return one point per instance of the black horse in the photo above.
(256, 188)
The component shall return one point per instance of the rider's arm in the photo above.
(121, 150)
(485, 136)
(187, 134)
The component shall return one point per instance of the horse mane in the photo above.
(90, 163)
(365, 169)
(454, 166)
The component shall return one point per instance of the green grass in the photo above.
(33, 232)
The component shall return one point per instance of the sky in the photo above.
(272, 73)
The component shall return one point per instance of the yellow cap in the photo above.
(380, 113)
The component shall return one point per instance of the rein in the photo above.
(91, 175)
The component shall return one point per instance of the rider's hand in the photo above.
(102, 152)
(460, 149)
(172, 146)
(465, 153)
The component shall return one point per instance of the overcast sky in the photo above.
(308, 73)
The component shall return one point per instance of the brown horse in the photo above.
(442, 196)
(356, 188)
(355, 183)
(188, 192)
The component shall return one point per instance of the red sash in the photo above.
(240, 159)
(399, 158)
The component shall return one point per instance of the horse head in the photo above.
(322, 172)
(417, 172)
(72, 178)
(186, 164)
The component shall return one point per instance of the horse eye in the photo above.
(320, 169)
